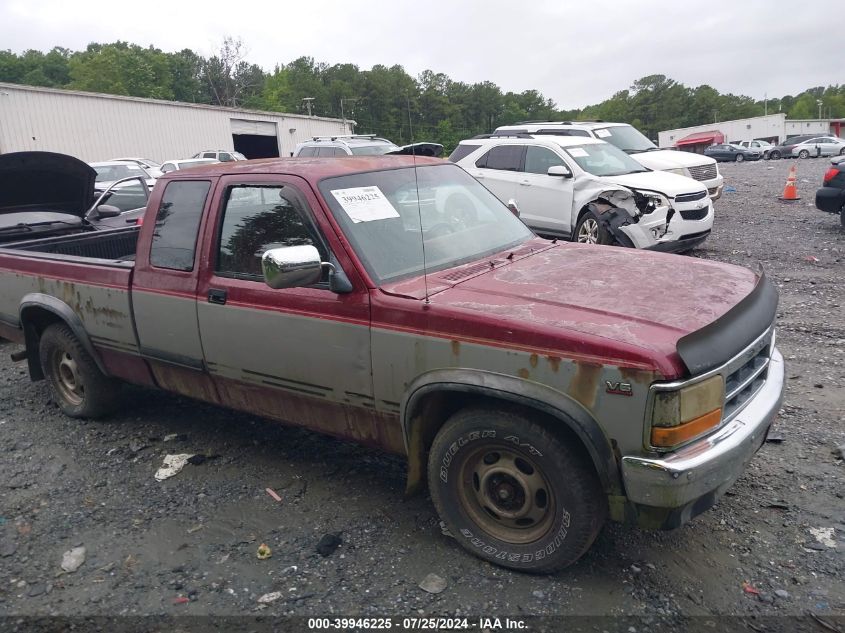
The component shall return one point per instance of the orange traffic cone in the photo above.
(790, 191)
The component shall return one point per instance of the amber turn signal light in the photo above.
(665, 436)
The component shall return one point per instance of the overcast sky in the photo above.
(576, 53)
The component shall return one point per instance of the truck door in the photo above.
(164, 287)
(299, 354)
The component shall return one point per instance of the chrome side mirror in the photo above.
(513, 207)
(560, 171)
(292, 267)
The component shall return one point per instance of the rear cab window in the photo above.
(177, 224)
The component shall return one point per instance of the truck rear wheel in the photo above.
(513, 493)
(78, 386)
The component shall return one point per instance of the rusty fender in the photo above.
(502, 387)
(35, 301)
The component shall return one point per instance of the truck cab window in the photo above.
(258, 218)
(177, 224)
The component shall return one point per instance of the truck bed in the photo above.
(88, 275)
(114, 245)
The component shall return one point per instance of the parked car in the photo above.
(46, 194)
(731, 153)
(175, 165)
(221, 155)
(586, 190)
(764, 147)
(539, 387)
(361, 145)
(110, 172)
(633, 142)
(150, 166)
(831, 197)
(784, 150)
(819, 146)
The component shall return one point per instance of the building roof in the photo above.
(183, 104)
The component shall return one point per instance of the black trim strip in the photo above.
(717, 343)
(172, 359)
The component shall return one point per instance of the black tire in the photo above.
(774, 155)
(803, 154)
(552, 527)
(739, 158)
(77, 385)
(592, 228)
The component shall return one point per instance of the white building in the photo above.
(774, 128)
(95, 127)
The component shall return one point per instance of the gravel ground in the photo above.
(188, 545)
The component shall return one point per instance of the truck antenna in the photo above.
(419, 206)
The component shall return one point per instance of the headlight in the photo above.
(680, 171)
(686, 413)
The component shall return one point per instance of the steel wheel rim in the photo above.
(68, 382)
(589, 232)
(506, 494)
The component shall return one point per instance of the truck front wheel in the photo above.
(513, 493)
(78, 386)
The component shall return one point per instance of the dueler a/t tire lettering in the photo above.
(513, 492)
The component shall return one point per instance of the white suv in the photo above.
(345, 145)
(633, 142)
(589, 191)
(222, 155)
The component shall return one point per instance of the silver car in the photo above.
(820, 146)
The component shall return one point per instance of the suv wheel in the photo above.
(590, 231)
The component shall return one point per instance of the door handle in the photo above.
(525, 183)
(217, 296)
(479, 176)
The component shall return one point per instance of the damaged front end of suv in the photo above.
(636, 219)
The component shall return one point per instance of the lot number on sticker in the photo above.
(365, 204)
(577, 152)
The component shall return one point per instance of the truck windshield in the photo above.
(381, 215)
(602, 159)
(626, 138)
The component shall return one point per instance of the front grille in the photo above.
(695, 214)
(746, 380)
(703, 172)
(691, 197)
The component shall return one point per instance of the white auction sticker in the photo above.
(602, 133)
(365, 204)
(577, 152)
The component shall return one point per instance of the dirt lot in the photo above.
(188, 545)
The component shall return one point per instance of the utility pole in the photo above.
(765, 104)
(308, 101)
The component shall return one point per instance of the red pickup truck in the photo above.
(539, 387)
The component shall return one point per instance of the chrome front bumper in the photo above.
(692, 478)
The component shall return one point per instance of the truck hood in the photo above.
(670, 159)
(663, 182)
(639, 304)
(45, 181)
